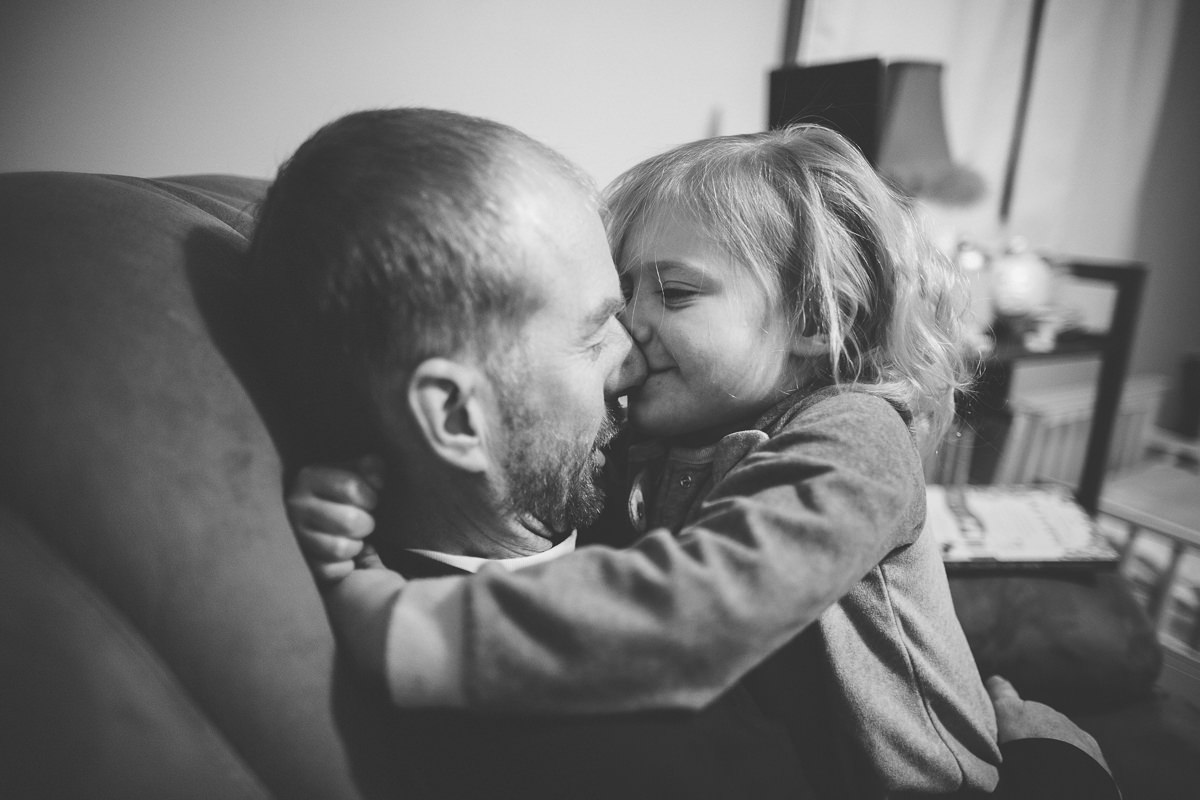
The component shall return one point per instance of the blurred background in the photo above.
(1108, 168)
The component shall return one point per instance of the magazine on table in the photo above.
(1010, 526)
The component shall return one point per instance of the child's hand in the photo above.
(329, 508)
(1017, 718)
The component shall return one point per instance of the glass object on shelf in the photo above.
(1022, 281)
(1023, 287)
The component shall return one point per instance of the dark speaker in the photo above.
(848, 96)
(892, 112)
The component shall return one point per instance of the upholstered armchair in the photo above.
(160, 635)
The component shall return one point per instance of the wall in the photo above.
(153, 87)
(1168, 225)
(1079, 174)
(1108, 169)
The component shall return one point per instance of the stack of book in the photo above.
(1013, 526)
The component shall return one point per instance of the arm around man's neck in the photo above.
(360, 608)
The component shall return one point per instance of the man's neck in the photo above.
(461, 524)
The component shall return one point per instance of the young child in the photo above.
(801, 337)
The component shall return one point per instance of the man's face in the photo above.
(573, 354)
(549, 472)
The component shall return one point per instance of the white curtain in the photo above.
(1096, 98)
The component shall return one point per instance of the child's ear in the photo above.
(810, 346)
(446, 400)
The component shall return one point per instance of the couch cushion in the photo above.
(1076, 640)
(1153, 747)
(95, 712)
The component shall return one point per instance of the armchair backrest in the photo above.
(159, 632)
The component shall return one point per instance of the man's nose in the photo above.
(631, 371)
(635, 323)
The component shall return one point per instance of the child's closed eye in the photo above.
(675, 296)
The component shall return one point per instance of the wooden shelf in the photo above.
(985, 408)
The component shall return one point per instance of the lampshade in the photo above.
(913, 150)
(892, 112)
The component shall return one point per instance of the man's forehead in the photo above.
(559, 228)
(543, 209)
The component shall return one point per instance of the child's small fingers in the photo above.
(357, 490)
(336, 484)
(368, 558)
(328, 548)
(315, 481)
(371, 470)
(323, 516)
(331, 572)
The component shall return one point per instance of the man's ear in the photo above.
(447, 403)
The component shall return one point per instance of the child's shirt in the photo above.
(675, 620)
(901, 702)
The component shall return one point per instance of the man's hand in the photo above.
(1026, 719)
(329, 508)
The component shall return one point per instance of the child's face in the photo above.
(717, 355)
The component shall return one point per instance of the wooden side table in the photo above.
(1163, 498)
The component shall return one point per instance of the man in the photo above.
(443, 285)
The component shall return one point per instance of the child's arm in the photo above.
(329, 509)
(669, 622)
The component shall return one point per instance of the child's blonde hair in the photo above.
(830, 244)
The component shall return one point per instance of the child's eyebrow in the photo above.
(675, 270)
(669, 265)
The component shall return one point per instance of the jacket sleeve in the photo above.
(1049, 769)
(673, 621)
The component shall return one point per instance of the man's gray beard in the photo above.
(556, 480)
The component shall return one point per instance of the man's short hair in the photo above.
(386, 239)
